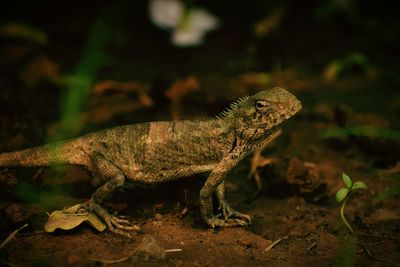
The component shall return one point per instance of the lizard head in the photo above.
(255, 116)
(268, 109)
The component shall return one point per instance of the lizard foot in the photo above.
(228, 212)
(115, 224)
(217, 222)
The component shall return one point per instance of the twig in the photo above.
(310, 247)
(12, 235)
(369, 253)
(103, 261)
(274, 244)
(173, 250)
(32, 233)
(110, 261)
(38, 173)
(372, 236)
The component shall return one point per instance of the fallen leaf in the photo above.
(178, 91)
(70, 218)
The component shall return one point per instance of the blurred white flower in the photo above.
(166, 14)
(188, 26)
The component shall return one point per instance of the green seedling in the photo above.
(342, 195)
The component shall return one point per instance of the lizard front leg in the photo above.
(210, 186)
(114, 180)
(226, 210)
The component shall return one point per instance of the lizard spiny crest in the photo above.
(233, 106)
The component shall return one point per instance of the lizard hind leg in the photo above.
(114, 180)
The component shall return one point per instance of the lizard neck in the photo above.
(244, 139)
(223, 133)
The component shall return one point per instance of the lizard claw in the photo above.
(228, 212)
(115, 224)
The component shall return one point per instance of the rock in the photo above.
(17, 213)
(306, 179)
(294, 176)
(7, 181)
(385, 215)
(149, 251)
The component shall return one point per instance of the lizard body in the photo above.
(157, 152)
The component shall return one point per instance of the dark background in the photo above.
(42, 100)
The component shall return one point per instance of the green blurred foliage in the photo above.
(330, 7)
(93, 58)
(361, 131)
(393, 190)
(352, 62)
(46, 199)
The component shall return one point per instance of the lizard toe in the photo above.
(115, 224)
(120, 232)
(215, 222)
(235, 223)
(228, 212)
(232, 222)
(118, 223)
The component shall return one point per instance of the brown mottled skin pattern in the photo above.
(158, 152)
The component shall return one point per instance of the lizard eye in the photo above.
(261, 106)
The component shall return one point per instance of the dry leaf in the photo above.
(70, 218)
(23, 31)
(178, 91)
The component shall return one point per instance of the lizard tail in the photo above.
(38, 156)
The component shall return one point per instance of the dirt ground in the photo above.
(295, 205)
(295, 218)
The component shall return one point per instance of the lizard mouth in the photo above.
(296, 107)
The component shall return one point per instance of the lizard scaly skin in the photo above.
(158, 152)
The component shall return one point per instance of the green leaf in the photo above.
(347, 180)
(342, 194)
(359, 186)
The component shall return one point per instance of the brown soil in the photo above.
(295, 218)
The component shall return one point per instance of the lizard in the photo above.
(162, 151)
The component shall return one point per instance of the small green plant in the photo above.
(342, 195)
